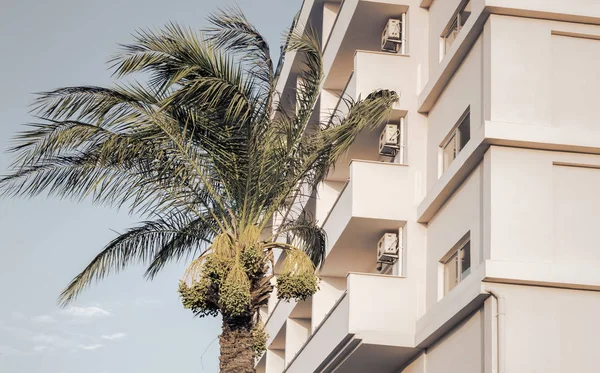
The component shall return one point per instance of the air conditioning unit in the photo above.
(391, 39)
(389, 140)
(388, 248)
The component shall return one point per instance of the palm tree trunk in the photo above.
(237, 354)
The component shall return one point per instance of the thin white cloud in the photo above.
(58, 341)
(16, 331)
(44, 338)
(91, 347)
(86, 312)
(53, 341)
(40, 348)
(45, 319)
(6, 350)
(17, 315)
(77, 335)
(112, 337)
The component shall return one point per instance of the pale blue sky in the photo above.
(124, 324)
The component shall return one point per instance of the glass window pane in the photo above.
(451, 35)
(465, 259)
(449, 152)
(464, 130)
(465, 13)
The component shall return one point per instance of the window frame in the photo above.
(456, 254)
(454, 26)
(455, 138)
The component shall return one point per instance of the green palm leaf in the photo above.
(205, 150)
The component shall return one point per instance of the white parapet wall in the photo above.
(330, 291)
(297, 332)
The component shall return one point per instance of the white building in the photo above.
(493, 193)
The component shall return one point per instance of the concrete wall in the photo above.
(550, 330)
(544, 330)
(330, 12)
(547, 216)
(275, 362)
(440, 14)
(394, 72)
(297, 332)
(417, 47)
(402, 74)
(330, 290)
(277, 321)
(373, 194)
(584, 11)
(414, 262)
(327, 104)
(547, 78)
(323, 341)
(461, 214)
(327, 193)
(461, 350)
(463, 92)
(339, 217)
(337, 34)
(377, 314)
(416, 366)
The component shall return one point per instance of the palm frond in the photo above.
(197, 235)
(204, 75)
(362, 115)
(306, 235)
(138, 245)
(307, 45)
(232, 31)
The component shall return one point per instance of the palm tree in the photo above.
(210, 154)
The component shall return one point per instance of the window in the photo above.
(456, 141)
(456, 24)
(458, 265)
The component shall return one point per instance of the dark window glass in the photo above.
(465, 257)
(464, 130)
(465, 13)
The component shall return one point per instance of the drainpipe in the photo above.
(501, 321)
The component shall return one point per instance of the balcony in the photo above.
(369, 205)
(355, 215)
(370, 328)
(394, 72)
(358, 26)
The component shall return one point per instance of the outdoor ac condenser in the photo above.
(392, 38)
(389, 140)
(388, 248)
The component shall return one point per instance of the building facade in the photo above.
(490, 192)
